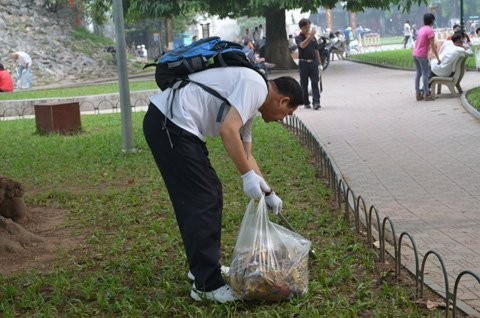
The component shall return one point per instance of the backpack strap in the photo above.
(181, 82)
(210, 90)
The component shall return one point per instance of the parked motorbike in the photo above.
(325, 49)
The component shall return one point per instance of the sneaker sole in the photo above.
(195, 296)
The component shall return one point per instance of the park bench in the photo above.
(451, 82)
(339, 50)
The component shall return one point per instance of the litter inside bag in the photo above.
(269, 261)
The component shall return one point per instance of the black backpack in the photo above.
(173, 68)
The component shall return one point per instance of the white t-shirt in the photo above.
(24, 59)
(449, 54)
(407, 31)
(196, 110)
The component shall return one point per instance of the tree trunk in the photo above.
(329, 18)
(277, 51)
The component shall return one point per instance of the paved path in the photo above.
(417, 162)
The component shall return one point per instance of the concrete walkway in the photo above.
(417, 162)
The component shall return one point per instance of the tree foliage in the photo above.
(277, 49)
(141, 9)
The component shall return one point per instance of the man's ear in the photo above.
(285, 101)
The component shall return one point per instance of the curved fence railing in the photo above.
(95, 107)
(94, 104)
(356, 212)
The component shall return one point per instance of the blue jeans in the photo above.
(423, 70)
(27, 76)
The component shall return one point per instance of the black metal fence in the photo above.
(93, 106)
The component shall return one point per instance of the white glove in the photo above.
(274, 203)
(253, 185)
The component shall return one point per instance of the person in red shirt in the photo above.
(6, 83)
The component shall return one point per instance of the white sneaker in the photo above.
(222, 295)
(224, 269)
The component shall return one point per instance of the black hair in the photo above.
(1, 67)
(289, 87)
(457, 36)
(428, 19)
(456, 26)
(303, 22)
(478, 29)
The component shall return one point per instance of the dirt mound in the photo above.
(30, 238)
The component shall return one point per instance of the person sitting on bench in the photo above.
(450, 53)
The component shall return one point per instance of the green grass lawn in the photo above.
(130, 263)
(473, 97)
(398, 58)
(389, 40)
(84, 90)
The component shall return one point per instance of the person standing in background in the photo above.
(308, 62)
(261, 32)
(477, 54)
(24, 69)
(414, 32)
(256, 35)
(425, 42)
(407, 33)
(359, 34)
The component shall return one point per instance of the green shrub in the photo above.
(473, 97)
(397, 58)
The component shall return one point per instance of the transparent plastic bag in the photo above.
(269, 261)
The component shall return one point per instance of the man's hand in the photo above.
(274, 203)
(254, 185)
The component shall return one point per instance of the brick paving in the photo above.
(417, 162)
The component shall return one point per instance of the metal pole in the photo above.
(125, 106)
(462, 23)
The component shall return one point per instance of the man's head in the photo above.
(14, 56)
(457, 38)
(477, 31)
(456, 27)
(284, 96)
(1, 67)
(304, 25)
(428, 19)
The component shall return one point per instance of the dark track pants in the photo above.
(309, 70)
(196, 194)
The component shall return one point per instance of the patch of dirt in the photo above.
(34, 242)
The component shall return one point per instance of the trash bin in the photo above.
(58, 118)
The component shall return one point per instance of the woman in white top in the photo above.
(407, 33)
(24, 69)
